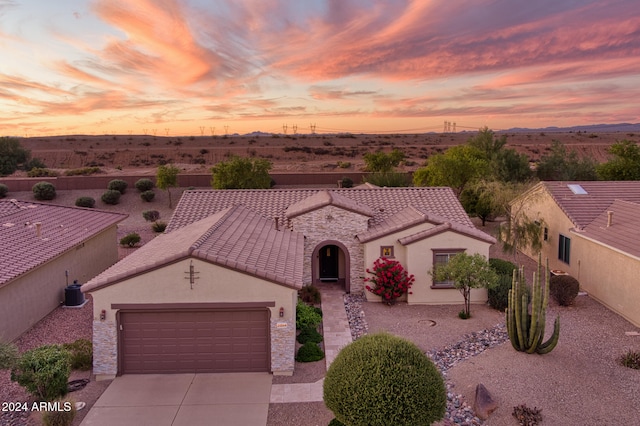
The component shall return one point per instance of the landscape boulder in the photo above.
(484, 404)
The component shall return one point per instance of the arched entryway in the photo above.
(330, 262)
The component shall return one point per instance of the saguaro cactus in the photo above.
(526, 329)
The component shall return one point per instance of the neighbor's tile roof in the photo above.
(273, 203)
(582, 209)
(62, 228)
(412, 216)
(234, 237)
(624, 232)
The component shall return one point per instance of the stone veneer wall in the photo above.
(105, 348)
(333, 223)
(283, 347)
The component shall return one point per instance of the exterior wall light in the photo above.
(281, 312)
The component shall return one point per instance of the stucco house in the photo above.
(43, 248)
(227, 254)
(591, 231)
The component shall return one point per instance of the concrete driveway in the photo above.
(183, 399)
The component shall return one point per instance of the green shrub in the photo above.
(85, 202)
(389, 179)
(309, 352)
(564, 289)
(631, 359)
(159, 226)
(39, 172)
(144, 184)
(499, 295)
(8, 355)
(44, 191)
(3, 190)
(148, 196)
(44, 372)
(84, 171)
(151, 215)
(527, 416)
(130, 239)
(111, 196)
(346, 182)
(336, 422)
(117, 185)
(310, 294)
(34, 163)
(309, 334)
(81, 354)
(381, 379)
(62, 417)
(306, 316)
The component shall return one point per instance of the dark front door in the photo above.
(329, 263)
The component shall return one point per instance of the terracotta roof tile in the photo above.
(61, 229)
(325, 198)
(448, 226)
(582, 209)
(234, 237)
(273, 203)
(624, 231)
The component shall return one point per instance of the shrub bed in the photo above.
(306, 316)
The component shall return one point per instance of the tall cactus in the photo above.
(526, 330)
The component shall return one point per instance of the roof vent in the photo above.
(609, 218)
(577, 189)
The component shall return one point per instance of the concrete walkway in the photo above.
(337, 334)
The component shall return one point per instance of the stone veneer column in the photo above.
(283, 347)
(333, 223)
(105, 348)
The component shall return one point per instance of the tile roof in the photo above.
(273, 203)
(325, 198)
(235, 237)
(582, 209)
(412, 216)
(61, 229)
(624, 232)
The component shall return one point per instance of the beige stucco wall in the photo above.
(333, 223)
(608, 276)
(170, 284)
(29, 298)
(417, 259)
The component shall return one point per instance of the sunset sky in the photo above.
(191, 67)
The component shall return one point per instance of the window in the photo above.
(441, 257)
(564, 249)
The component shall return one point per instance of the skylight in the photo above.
(577, 189)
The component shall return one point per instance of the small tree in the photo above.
(166, 178)
(12, 155)
(390, 280)
(624, 164)
(242, 173)
(381, 162)
(467, 272)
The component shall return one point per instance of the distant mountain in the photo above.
(595, 128)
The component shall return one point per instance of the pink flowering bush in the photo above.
(390, 280)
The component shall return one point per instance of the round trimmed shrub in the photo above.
(85, 202)
(309, 334)
(148, 196)
(564, 289)
(144, 184)
(111, 196)
(384, 380)
(309, 352)
(117, 185)
(130, 239)
(44, 372)
(3, 190)
(44, 191)
(151, 215)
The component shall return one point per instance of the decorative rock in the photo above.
(484, 404)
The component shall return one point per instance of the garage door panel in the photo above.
(195, 341)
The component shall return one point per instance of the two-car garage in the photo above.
(193, 340)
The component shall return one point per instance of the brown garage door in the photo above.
(195, 341)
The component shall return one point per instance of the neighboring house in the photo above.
(231, 254)
(43, 248)
(591, 230)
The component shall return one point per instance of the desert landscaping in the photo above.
(580, 382)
